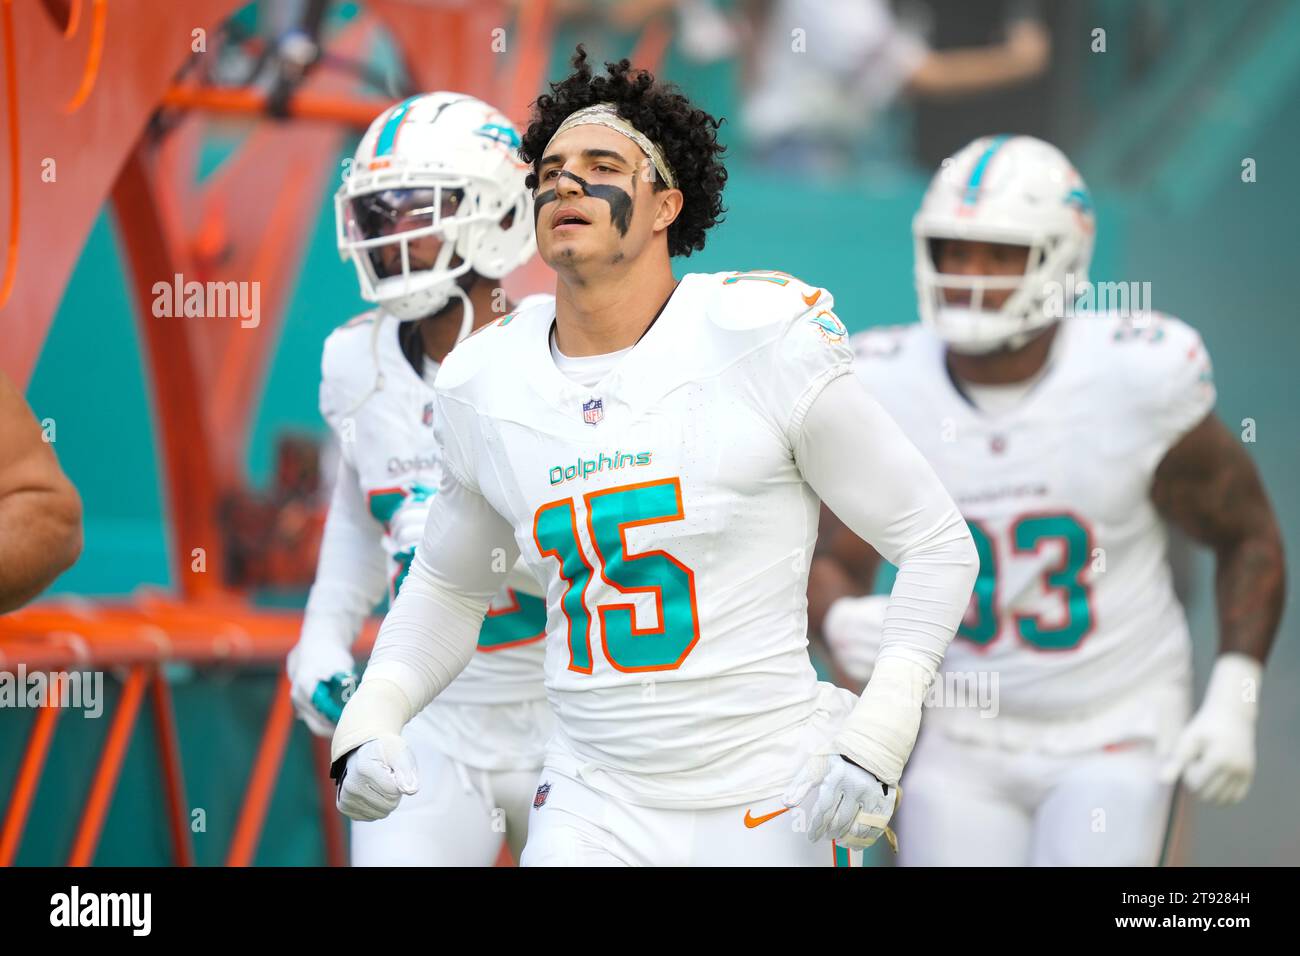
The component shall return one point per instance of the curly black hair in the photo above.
(688, 137)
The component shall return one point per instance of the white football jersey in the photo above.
(382, 412)
(664, 515)
(1074, 608)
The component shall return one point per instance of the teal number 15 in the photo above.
(610, 513)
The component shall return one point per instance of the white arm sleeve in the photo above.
(350, 572)
(429, 635)
(864, 468)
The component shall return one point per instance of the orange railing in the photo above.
(143, 635)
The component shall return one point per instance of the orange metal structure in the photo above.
(82, 80)
(144, 634)
(78, 94)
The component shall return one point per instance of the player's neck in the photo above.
(1004, 367)
(596, 315)
(439, 331)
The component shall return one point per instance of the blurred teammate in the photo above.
(40, 511)
(432, 212)
(820, 72)
(655, 449)
(1066, 444)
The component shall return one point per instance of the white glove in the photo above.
(1215, 753)
(854, 629)
(321, 678)
(405, 531)
(375, 776)
(406, 526)
(850, 805)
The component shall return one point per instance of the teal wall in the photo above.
(1226, 263)
(90, 380)
(220, 715)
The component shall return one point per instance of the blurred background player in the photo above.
(656, 448)
(821, 71)
(432, 212)
(1067, 441)
(40, 511)
(705, 29)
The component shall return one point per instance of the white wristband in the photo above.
(880, 732)
(378, 707)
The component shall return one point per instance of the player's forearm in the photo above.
(40, 510)
(966, 72)
(931, 593)
(427, 638)
(1023, 55)
(933, 587)
(909, 518)
(429, 634)
(1250, 591)
(40, 538)
(1208, 486)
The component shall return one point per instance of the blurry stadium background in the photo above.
(145, 138)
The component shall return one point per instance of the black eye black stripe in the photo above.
(620, 202)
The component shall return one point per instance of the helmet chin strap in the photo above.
(466, 327)
(467, 313)
(378, 385)
(467, 310)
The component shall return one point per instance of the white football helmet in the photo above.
(1016, 190)
(438, 164)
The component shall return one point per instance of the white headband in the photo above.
(606, 114)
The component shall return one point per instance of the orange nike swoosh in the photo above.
(812, 299)
(753, 821)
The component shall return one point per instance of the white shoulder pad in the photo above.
(797, 342)
(485, 345)
(349, 366)
(761, 299)
(1162, 367)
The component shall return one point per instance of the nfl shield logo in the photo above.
(427, 418)
(593, 411)
(543, 792)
